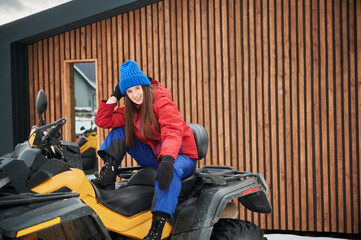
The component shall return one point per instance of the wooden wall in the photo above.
(276, 84)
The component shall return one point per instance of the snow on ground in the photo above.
(296, 237)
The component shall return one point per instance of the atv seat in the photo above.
(201, 138)
(137, 195)
(128, 200)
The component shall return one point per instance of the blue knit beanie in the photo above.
(130, 76)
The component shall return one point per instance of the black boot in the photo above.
(108, 174)
(158, 222)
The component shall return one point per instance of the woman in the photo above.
(149, 128)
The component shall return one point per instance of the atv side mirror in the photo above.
(41, 105)
(41, 102)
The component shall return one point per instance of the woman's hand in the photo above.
(116, 93)
(165, 172)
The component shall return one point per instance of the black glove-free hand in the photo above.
(117, 93)
(165, 172)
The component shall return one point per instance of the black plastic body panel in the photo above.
(256, 202)
(77, 220)
(72, 154)
(196, 216)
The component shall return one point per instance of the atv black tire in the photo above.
(234, 229)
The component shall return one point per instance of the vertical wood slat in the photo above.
(259, 95)
(272, 117)
(323, 123)
(40, 68)
(275, 83)
(294, 130)
(280, 93)
(131, 35)
(338, 114)
(289, 218)
(266, 124)
(180, 77)
(219, 86)
(357, 15)
(354, 108)
(51, 80)
(186, 65)
(167, 45)
(149, 48)
(317, 118)
(137, 36)
(88, 42)
(143, 24)
(212, 116)
(58, 49)
(46, 76)
(330, 89)
(156, 41)
(309, 111)
(32, 90)
(346, 224)
(174, 49)
(198, 61)
(301, 114)
(225, 76)
(162, 65)
(205, 74)
(192, 64)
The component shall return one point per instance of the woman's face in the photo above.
(135, 94)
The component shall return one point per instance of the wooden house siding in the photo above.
(275, 83)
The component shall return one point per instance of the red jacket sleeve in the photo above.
(107, 117)
(171, 126)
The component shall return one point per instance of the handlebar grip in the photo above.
(60, 122)
(53, 131)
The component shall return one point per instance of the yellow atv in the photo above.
(49, 169)
(88, 143)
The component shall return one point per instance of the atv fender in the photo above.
(195, 219)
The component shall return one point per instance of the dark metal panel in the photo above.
(20, 93)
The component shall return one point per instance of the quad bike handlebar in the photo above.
(41, 136)
(54, 133)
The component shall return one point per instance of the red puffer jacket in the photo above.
(175, 135)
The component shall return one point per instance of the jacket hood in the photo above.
(160, 91)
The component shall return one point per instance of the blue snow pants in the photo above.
(166, 200)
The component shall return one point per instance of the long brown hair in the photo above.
(150, 126)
